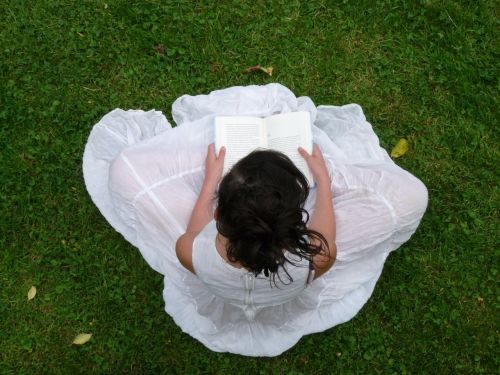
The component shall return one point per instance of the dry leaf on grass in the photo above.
(32, 293)
(82, 338)
(268, 70)
(160, 49)
(400, 149)
(215, 67)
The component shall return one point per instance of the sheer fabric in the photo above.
(145, 176)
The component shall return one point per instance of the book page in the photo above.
(287, 132)
(240, 136)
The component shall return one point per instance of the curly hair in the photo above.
(260, 211)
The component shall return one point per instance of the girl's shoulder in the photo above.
(207, 262)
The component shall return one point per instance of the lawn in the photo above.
(423, 70)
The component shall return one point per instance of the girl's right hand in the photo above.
(316, 164)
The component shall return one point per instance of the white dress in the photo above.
(145, 176)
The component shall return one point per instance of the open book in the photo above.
(284, 132)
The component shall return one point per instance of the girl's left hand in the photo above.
(214, 165)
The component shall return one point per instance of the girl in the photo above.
(236, 277)
(260, 215)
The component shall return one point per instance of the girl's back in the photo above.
(241, 287)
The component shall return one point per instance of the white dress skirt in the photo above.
(145, 176)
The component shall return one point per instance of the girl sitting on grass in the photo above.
(254, 260)
(263, 229)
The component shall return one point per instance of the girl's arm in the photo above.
(322, 219)
(203, 209)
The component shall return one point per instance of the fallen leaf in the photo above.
(251, 69)
(160, 48)
(268, 70)
(32, 293)
(255, 68)
(82, 338)
(215, 67)
(400, 149)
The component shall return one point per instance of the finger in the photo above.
(316, 150)
(303, 153)
(318, 153)
(211, 149)
(222, 153)
(210, 153)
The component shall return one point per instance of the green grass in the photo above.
(425, 70)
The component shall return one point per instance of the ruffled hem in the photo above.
(274, 330)
(115, 131)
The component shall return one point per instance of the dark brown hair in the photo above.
(261, 212)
